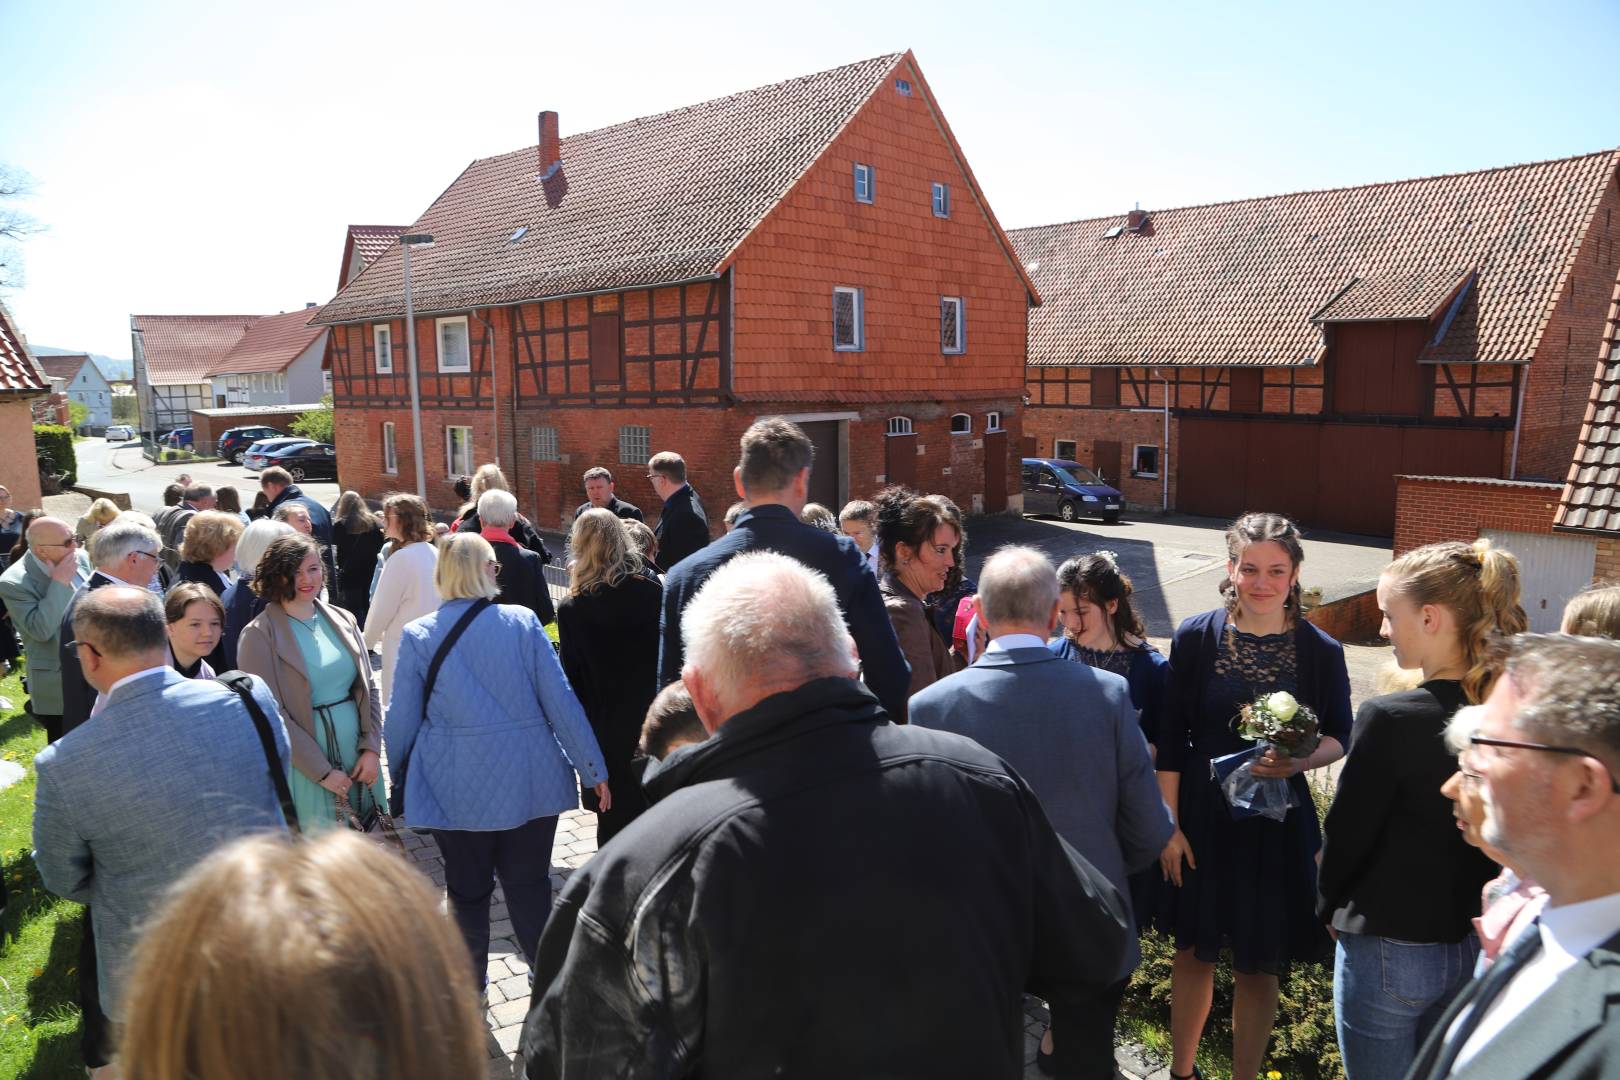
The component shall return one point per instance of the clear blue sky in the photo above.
(206, 157)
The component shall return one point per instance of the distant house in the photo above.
(363, 245)
(83, 383)
(277, 361)
(22, 382)
(1312, 346)
(818, 249)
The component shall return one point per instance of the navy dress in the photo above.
(1254, 889)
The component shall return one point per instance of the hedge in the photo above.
(56, 443)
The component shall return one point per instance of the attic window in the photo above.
(518, 234)
(863, 183)
(902, 87)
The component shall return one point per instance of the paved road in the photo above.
(120, 467)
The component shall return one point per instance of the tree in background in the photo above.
(125, 409)
(78, 414)
(15, 224)
(317, 423)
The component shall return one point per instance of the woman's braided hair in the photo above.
(1479, 585)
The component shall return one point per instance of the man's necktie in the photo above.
(1524, 949)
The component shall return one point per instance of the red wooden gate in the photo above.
(900, 459)
(995, 472)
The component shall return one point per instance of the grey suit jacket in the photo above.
(36, 604)
(1071, 732)
(169, 770)
(1571, 1032)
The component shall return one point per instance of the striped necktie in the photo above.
(1524, 949)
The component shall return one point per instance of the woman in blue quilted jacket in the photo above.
(488, 752)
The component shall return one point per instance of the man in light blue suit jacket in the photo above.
(169, 770)
(1070, 731)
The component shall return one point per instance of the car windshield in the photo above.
(1078, 475)
(288, 448)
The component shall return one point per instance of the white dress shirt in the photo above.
(1568, 934)
(1008, 642)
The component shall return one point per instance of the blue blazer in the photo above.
(504, 733)
(1070, 731)
(171, 769)
(773, 527)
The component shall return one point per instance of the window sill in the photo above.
(1144, 476)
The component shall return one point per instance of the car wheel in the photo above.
(1111, 518)
(1066, 510)
(297, 473)
(188, 448)
(238, 456)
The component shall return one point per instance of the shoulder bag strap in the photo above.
(240, 682)
(396, 791)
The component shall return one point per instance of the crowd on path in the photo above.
(852, 805)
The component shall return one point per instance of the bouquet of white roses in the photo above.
(1276, 721)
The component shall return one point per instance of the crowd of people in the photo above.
(851, 804)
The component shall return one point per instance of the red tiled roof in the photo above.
(368, 242)
(1591, 497)
(183, 349)
(1237, 283)
(660, 199)
(270, 344)
(19, 372)
(63, 365)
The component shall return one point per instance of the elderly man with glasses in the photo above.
(125, 552)
(1543, 763)
(37, 590)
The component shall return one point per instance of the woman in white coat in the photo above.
(405, 591)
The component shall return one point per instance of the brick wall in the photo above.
(1087, 427)
(19, 462)
(1607, 565)
(1431, 509)
(206, 429)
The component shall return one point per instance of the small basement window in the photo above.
(863, 183)
(899, 425)
(942, 200)
(961, 424)
(1145, 461)
(1065, 450)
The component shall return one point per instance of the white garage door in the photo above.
(1551, 570)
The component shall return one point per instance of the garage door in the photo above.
(1551, 570)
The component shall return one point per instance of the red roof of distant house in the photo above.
(1238, 283)
(369, 242)
(183, 349)
(63, 365)
(1591, 497)
(660, 199)
(19, 372)
(270, 344)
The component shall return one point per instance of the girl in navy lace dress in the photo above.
(1248, 886)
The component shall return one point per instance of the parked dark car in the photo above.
(235, 442)
(254, 457)
(306, 461)
(178, 439)
(1068, 490)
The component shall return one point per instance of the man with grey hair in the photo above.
(171, 520)
(521, 578)
(37, 590)
(125, 805)
(773, 478)
(125, 552)
(1071, 732)
(1545, 760)
(814, 890)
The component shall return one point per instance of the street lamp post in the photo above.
(406, 242)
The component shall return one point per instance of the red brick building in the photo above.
(22, 384)
(817, 248)
(1313, 346)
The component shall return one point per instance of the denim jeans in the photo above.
(1387, 994)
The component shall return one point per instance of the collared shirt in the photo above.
(143, 673)
(1568, 934)
(1009, 642)
(116, 580)
(871, 555)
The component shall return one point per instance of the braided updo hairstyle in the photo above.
(1479, 585)
(1098, 579)
(1258, 529)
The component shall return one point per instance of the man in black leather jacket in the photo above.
(816, 892)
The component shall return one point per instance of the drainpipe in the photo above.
(1518, 418)
(1164, 466)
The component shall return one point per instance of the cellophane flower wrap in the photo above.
(1276, 721)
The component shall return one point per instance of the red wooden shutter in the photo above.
(607, 364)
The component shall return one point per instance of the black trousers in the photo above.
(95, 1035)
(1085, 1047)
(521, 859)
(51, 724)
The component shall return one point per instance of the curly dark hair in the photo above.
(905, 517)
(278, 568)
(1098, 579)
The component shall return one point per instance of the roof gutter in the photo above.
(487, 305)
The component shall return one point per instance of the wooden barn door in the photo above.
(1107, 462)
(826, 474)
(995, 472)
(900, 459)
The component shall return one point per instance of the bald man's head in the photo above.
(119, 630)
(49, 539)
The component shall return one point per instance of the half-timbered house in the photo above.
(1297, 352)
(817, 249)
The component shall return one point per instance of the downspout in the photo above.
(1164, 468)
(1518, 418)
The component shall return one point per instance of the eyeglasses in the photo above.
(149, 554)
(86, 644)
(491, 564)
(1572, 751)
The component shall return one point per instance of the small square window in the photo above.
(635, 445)
(942, 200)
(455, 352)
(952, 331)
(1145, 461)
(961, 424)
(382, 343)
(1065, 450)
(849, 331)
(902, 87)
(458, 451)
(992, 421)
(863, 183)
(543, 444)
(390, 451)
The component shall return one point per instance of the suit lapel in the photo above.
(285, 641)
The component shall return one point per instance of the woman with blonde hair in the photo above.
(486, 756)
(1404, 952)
(208, 549)
(405, 589)
(101, 511)
(233, 977)
(489, 477)
(1593, 612)
(608, 631)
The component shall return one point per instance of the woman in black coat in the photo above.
(522, 576)
(609, 630)
(358, 537)
(207, 554)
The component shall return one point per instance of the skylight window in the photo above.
(518, 234)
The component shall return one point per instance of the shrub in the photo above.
(315, 424)
(54, 444)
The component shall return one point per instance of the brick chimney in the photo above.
(1136, 219)
(550, 143)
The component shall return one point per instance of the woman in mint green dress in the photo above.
(314, 659)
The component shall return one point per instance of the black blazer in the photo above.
(1390, 827)
(78, 696)
(1570, 1032)
(682, 528)
(522, 582)
(356, 562)
(620, 508)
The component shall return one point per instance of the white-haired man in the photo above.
(522, 579)
(1072, 734)
(815, 891)
(1545, 760)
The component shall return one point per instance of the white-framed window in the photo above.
(992, 421)
(864, 183)
(382, 344)
(902, 87)
(543, 444)
(326, 382)
(1145, 460)
(458, 451)
(961, 424)
(390, 449)
(455, 349)
(849, 318)
(942, 200)
(635, 444)
(1065, 450)
(899, 425)
(952, 325)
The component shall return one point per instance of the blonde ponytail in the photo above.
(1479, 585)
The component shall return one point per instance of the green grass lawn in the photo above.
(39, 933)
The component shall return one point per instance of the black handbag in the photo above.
(242, 683)
(396, 787)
